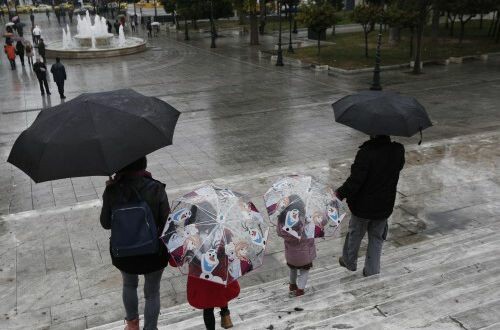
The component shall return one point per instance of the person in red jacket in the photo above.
(11, 54)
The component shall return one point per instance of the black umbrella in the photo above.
(382, 113)
(93, 134)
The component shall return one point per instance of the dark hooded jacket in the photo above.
(371, 188)
(153, 193)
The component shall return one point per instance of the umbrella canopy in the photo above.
(93, 134)
(382, 113)
(10, 24)
(215, 234)
(303, 207)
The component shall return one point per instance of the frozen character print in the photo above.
(179, 216)
(234, 266)
(257, 237)
(182, 246)
(319, 224)
(333, 215)
(292, 219)
(209, 262)
(309, 230)
(241, 249)
(253, 213)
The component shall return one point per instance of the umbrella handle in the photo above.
(420, 142)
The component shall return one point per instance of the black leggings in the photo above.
(209, 317)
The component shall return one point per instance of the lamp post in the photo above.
(290, 47)
(279, 59)
(156, 13)
(376, 86)
(135, 12)
(212, 25)
(294, 21)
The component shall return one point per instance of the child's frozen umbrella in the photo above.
(303, 207)
(215, 234)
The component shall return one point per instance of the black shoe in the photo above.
(63, 97)
(48, 93)
(343, 264)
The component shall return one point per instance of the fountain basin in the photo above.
(131, 46)
(100, 41)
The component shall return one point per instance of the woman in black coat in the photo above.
(20, 51)
(132, 180)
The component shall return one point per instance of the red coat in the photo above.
(203, 294)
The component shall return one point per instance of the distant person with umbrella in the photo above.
(370, 189)
(70, 16)
(41, 73)
(59, 74)
(10, 51)
(41, 50)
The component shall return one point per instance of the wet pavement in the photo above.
(244, 122)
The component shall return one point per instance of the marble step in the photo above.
(480, 317)
(391, 255)
(322, 286)
(249, 309)
(331, 301)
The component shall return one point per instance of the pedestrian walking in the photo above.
(47, 12)
(70, 16)
(32, 18)
(20, 51)
(41, 50)
(110, 27)
(117, 26)
(58, 16)
(371, 192)
(29, 53)
(133, 185)
(299, 252)
(149, 27)
(132, 25)
(41, 73)
(10, 51)
(37, 34)
(59, 75)
(63, 14)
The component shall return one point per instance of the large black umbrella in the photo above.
(382, 113)
(93, 134)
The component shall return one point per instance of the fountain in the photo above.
(93, 40)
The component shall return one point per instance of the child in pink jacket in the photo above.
(299, 250)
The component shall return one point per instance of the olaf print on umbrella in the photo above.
(292, 219)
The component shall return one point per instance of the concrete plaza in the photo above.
(244, 122)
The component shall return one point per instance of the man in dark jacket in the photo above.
(120, 189)
(41, 50)
(371, 192)
(20, 51)
(41, 73)
(59, 75)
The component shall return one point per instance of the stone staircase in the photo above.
(449, 281)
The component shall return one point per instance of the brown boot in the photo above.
(299, 292)
(132, 325)
(225, 320)
(292, 287)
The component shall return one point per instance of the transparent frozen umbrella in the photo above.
(303, 207)
(215, 234)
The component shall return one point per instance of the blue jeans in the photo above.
(151, 295)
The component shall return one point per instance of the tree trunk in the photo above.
(241, 17)
(195, 24)
(452, 26)
(481, 21)
(435, 24)
(412, 41)
(394, 35)
(262, 17)
(497, 23)
(418, 51)
(319, 44)
(254, 29)
(497, 40)
(447, 23)
(366, 42)
(334, 28)
(462, 31)
(186, 31)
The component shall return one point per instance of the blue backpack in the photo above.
(133, 228)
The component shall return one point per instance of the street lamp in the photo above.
(376, 86)
(279, 59)
(212, 24)
(156, 13)
(290, 47)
